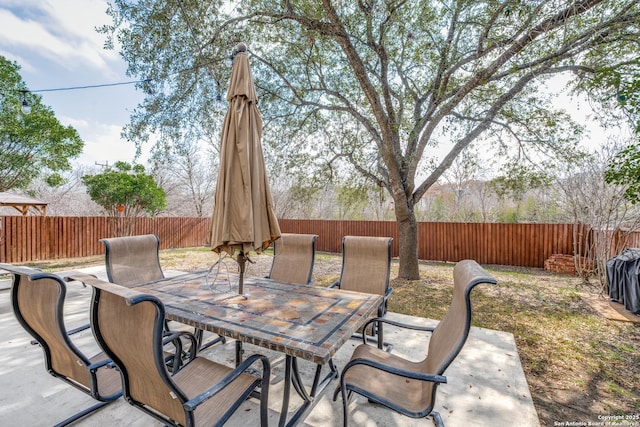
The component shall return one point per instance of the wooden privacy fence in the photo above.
(527, 245)
(34, 238)
(31, 238)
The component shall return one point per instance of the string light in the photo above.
(218, 104)
(146, 87)
(90, 86)
(146, 83)
(26, 108)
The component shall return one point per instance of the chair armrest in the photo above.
(398, 324)
(67, 278)
(99, 364)
(382, 309)
(441, 379)
(78, 329)
(69, 332)
(169, 336)
(193, 403)
(335, 284)
(174, 337)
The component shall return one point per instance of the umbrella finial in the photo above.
(241, 47)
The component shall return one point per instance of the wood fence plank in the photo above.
(31, 238)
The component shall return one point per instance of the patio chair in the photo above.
(201, 392)
(131, 260)
(406, 386)
(366, 266)
(38, 304)
(293, 257)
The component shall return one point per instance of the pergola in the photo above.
(23, 203)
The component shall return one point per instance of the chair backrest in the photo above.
(38, 304)
(137, 351)
(452, 331)
(133, 259)
(366, 264)
(293, 258)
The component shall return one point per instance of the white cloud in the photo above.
(61, 31)
(103, 144)
(75, 122)
(24, 63)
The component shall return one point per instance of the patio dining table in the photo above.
(301, 321)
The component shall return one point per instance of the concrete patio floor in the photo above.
(486, 384)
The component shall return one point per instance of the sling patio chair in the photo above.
(293, 258)
(405, 386)
(38, 304)
(201, 392)
(131, 260)
(366, 266)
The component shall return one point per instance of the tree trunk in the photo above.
(408, 233)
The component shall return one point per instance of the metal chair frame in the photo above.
(63, 359)
(132, 305)
(369, 365)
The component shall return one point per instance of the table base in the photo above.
(292, 377)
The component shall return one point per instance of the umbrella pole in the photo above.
(242, 261)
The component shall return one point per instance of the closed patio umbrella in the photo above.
(243, 216)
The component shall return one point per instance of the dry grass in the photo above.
(578, 364)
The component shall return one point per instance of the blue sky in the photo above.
(56, 45)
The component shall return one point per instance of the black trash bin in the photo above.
(623, 273)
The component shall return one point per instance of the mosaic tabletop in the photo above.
(300, 320)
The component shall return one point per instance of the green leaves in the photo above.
(126, 190)
(31, 145)
(517, 179)
(624, 170)
(615, 79)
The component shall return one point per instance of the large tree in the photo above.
(31, 145)
(125, 190)
(395, 89)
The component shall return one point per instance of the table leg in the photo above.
(292, 377)
(239, 352)
(287, 391)
(297, 381)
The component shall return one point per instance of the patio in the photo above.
(486, 385)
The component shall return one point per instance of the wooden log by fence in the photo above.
(33, 238)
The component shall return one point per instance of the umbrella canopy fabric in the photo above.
(243, 215)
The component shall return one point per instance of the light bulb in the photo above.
(146, 87)
(26, 108)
